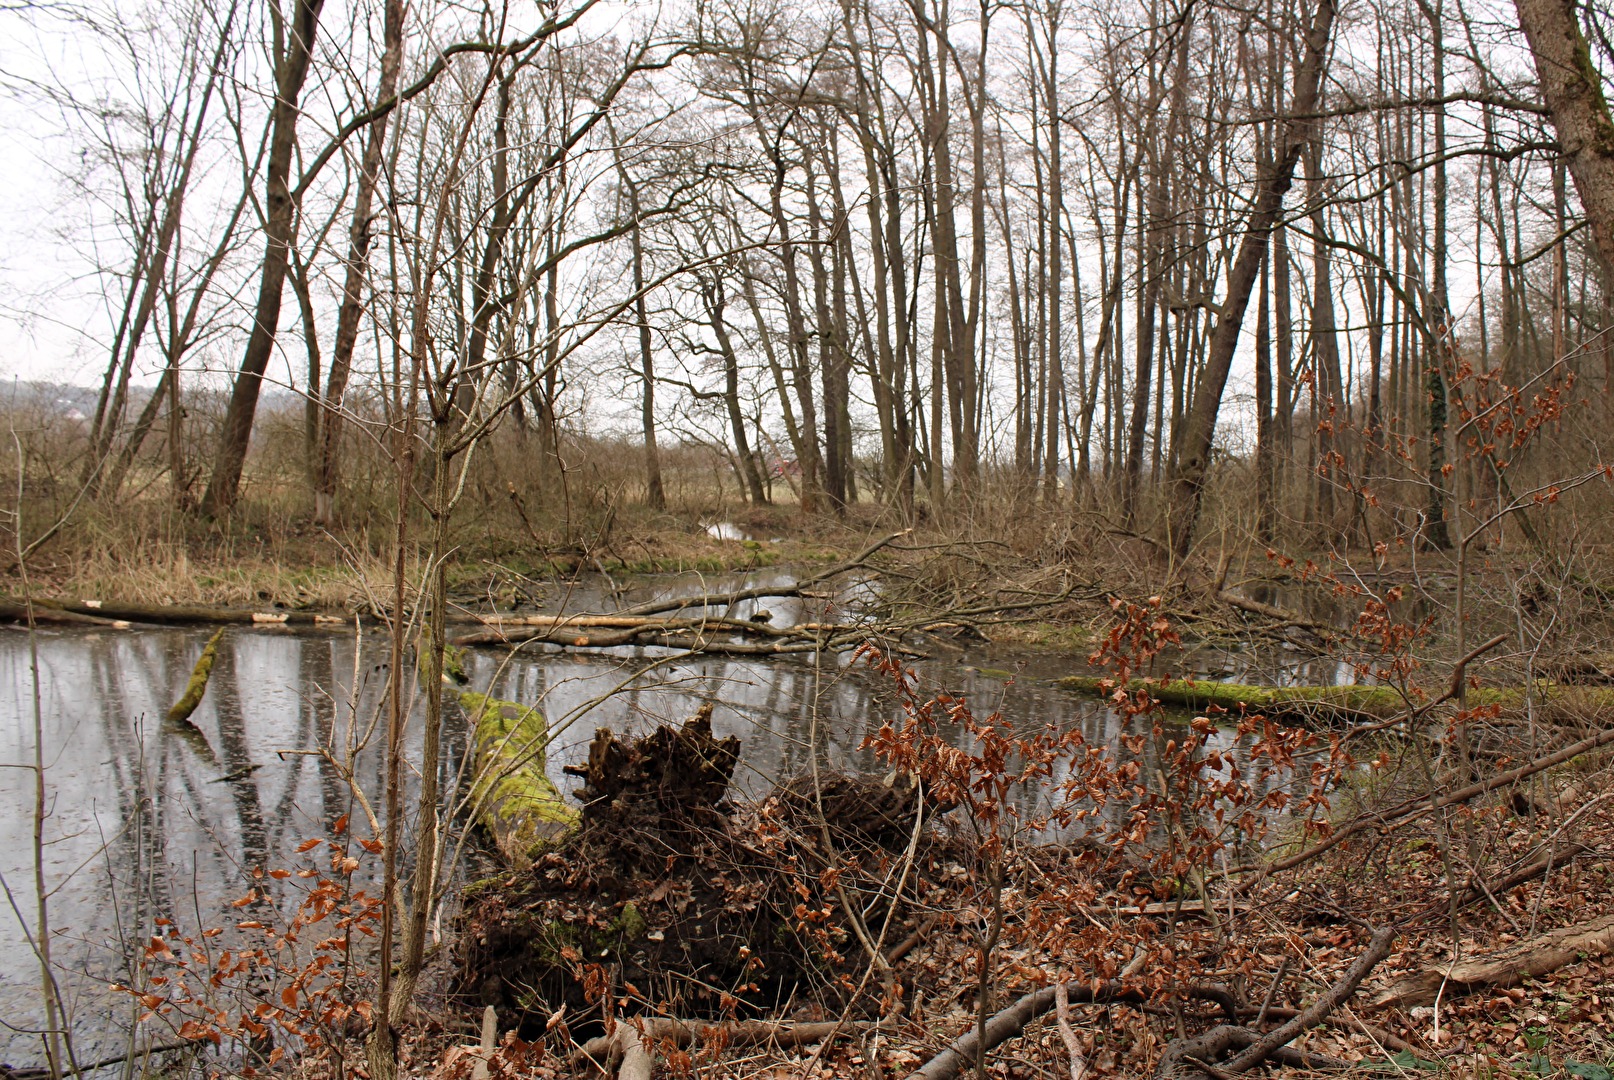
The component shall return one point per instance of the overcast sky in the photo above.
(47, 298)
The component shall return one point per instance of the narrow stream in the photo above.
(146, 820)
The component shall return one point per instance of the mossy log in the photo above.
(180, 712)
(514, 799)
(454, 673)
(1319, 702)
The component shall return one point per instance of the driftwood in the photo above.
(1189, 1057)
(196, 686)
(1505, 967)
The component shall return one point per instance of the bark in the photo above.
(1153, 271)
(715, 299)
(1200, 430)
(1576, 101)
(1442, 355)
(655, 494)
(152, 266)
(1538, 956)
(1054, 387)
(1265, 511)
(279, 224)
(1328, 383)
(358, 265)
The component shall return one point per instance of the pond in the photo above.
(148, 820)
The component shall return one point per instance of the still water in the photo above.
(147, 820)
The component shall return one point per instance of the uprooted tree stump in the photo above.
(669, 775)
(669, 892)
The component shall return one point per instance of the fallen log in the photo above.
(614, 631)
(1010, 1022)
(1308, 702)
(1529, 871)
(512, 795)
(1202, 1051)
(1350, 701)
(1539, 955)
(43, 612)
(191, 614)
(760, 592)
(1388, 1039)
(1282, 616)
(1184, 1058)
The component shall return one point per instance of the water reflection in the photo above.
(147, 819)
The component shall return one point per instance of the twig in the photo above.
(1254, 1048)
(1412, 809)
(1078, 1062)
(1377, 949)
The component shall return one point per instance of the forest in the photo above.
(1053, 537)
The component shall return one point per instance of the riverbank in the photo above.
(1388, 951)
(292, 565)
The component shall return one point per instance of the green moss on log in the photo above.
(514, 798)
(1380, 701)
(180, 712)
(454, 673)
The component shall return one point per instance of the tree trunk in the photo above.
(1200, 430)
(280, 220)
(1573, 89)
(358, 265)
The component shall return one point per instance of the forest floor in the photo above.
(1271, 951)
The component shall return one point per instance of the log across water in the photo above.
(512, 796)
(1320, 702)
